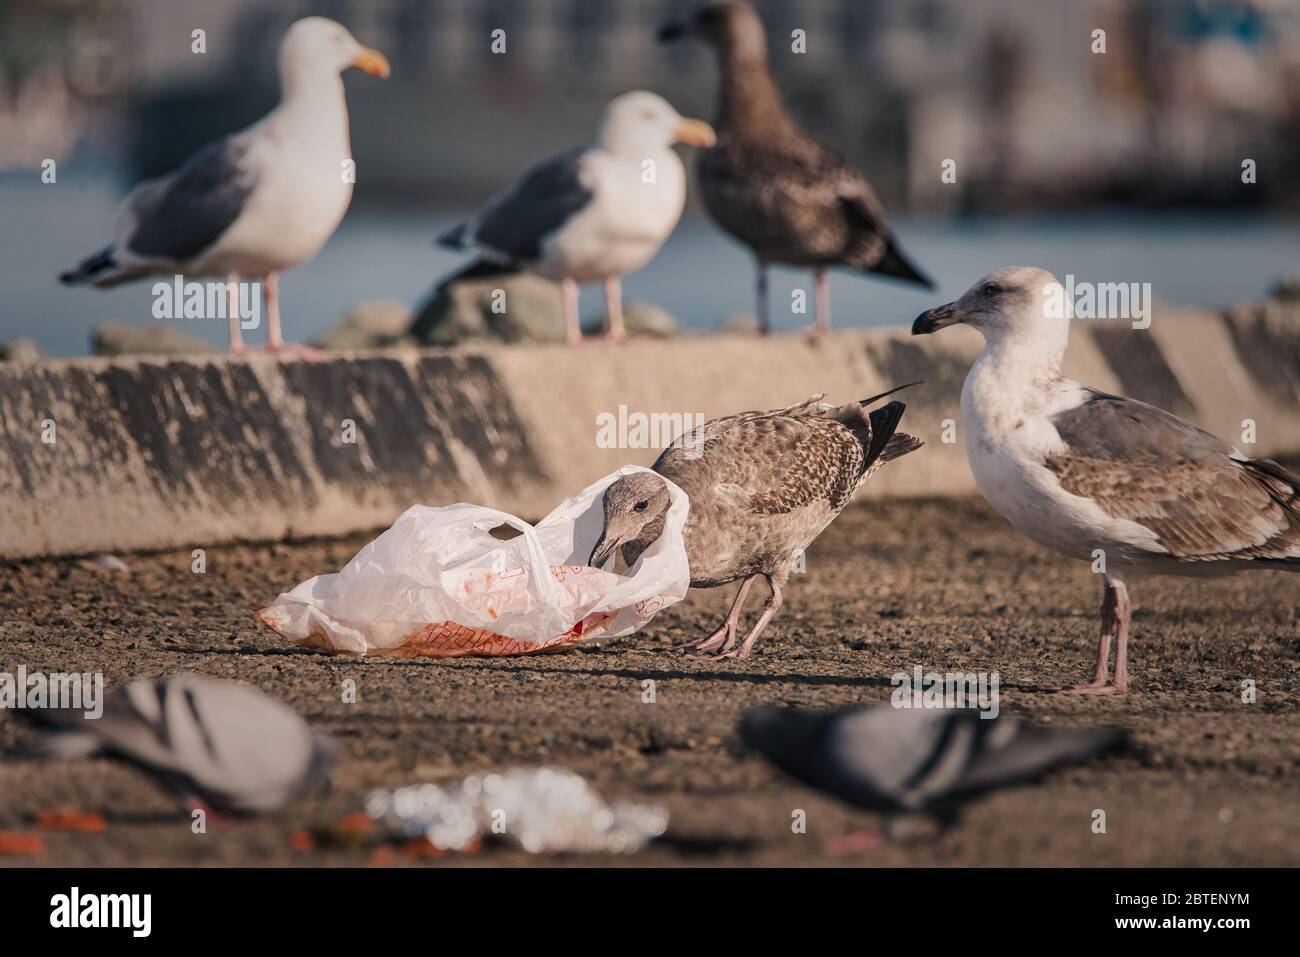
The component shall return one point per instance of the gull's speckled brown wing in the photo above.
(1202, 500)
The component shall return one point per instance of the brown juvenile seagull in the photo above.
(762, 486)
(1100, 477)
(789, 198)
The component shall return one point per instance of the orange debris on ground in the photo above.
(64, 819)
(26, 845)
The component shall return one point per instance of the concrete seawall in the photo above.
(159, 452)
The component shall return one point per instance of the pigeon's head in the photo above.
(636, 508)
(732, 28)
(316, 46)
(1014, 301)
(638, 124)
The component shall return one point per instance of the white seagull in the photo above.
(257, 202)
(593, 214)
(1094, 475)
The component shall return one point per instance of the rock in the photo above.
(515, 308)
(641, 319)
(19, 350)
(116, 339)
(370, 325)
(741, 324)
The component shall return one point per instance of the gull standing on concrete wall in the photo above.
(593, 214)
(789, 198)
(257, 202)
(1103, 478)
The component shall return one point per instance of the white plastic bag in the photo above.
(438, 584)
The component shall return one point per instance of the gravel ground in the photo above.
(945, 584)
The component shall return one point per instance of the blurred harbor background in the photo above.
(1116, 166)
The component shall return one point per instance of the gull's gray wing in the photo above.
(1202, 499)
(516, 224)
(176, 217)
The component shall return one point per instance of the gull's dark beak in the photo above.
(673, 31)
(940, 317)
(602, 552)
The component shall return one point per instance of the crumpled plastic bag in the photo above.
(541, 810)
(438, 584)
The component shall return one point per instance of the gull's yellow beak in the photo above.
(373, 62)
(695, 133)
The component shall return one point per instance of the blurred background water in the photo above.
(1116, 166)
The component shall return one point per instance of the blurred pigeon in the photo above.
(229, 745)
(897, 760)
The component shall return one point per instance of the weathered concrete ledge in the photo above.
(141, 453)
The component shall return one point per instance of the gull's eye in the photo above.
(641, 506)
(992, 289)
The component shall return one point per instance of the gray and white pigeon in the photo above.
(762, 486)
(788, 197)
(227, 744)
(903, 760)
(1097, 476)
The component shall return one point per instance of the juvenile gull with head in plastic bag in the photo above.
(762, 486)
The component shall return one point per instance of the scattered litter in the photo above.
(541, 810)
(439, 584)
(106, 563)
(21, 845)
(63, 819)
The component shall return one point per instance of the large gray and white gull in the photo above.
(229, 745)
(254, 203)
(762, 486)
(901, 761)
(593, 214)
(790, 198)
(1095, 476)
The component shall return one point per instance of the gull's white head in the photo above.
(638, 124)
(1016, 302)
(317, 47)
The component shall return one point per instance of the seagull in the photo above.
(254, 203)
(593, 214)
(223, 743)
(762, 486)
(902, 761)
(791, 199)
(1099, 477)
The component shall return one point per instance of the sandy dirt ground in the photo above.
(943, 584)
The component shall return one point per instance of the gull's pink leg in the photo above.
(274, 340)
(572, 326)
(770, 607)
(614, 308)
(725, 636)
(1116, 612)
(237, 346)
(764, 326)
(822, 298)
